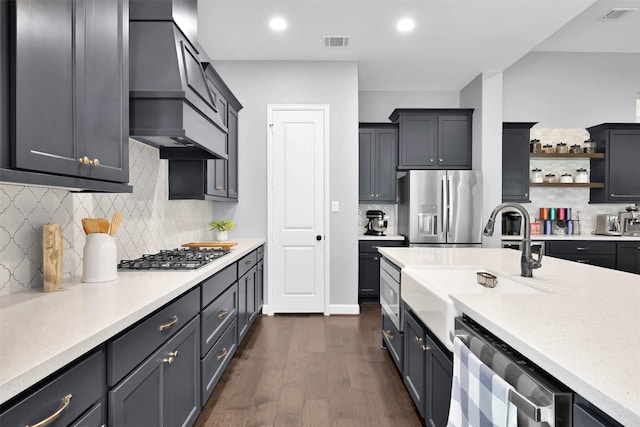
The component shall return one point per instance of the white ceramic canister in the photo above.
(99, 258)
(582, 176)
(536, 176)
(566, 178)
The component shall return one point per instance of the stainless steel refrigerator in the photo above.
(440, 207)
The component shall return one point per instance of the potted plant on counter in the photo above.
(223, 227)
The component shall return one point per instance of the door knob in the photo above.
(318, 237)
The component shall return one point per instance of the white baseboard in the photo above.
(353, 309)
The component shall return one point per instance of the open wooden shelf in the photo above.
(569, 184)
(567, 155)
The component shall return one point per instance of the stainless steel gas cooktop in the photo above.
(174, 259)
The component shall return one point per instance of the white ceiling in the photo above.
(454, 40)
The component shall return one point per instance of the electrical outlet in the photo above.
(335, 206)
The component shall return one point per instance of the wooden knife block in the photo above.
(52, 256)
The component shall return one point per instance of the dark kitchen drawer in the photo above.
(608, 261)
(392, 339)
(217, 317)
(84, 381)
(371, 246)
(215, 362)
(246, 263)
(94, 417)
(216, 284)
(581, 247)
(127, 351)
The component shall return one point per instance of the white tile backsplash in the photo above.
(150, 220)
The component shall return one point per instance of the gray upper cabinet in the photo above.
(434, 138)
(620, 143)
(378, 147)
(515, 161)
(70, 76)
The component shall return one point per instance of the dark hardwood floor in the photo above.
(311, 370)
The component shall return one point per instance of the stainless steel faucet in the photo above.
(527, 262)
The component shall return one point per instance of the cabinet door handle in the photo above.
(583, 261)
(66, 401)
(375, 247)
(248, 262)
(388, 335)
(583, 249)
(172, 356)
(223, 313)
(426, 348)
(418, 340)
(170, 324)
(441, 160)
(222, 355)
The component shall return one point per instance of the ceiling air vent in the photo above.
(616, 13)
(336, 41)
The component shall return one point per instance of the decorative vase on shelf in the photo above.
(222, 236)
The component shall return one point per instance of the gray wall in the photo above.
(572, 90)
(376, 106)
(484, 95)
(258, 83)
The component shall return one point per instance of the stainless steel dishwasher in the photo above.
(541, 399)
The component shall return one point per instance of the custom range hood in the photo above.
(171, 106)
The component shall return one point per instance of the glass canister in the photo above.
(582, 176)
(562, 148)
(550, 178)
(548, 148)
(536, 176)
(589, 146)
(566, 178)
(535, 146)
(575, 149)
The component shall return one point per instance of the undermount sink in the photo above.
(427, 290)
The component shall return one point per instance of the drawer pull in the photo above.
(583, 261)
(248, 262)
(223, 313)
(388, 335)
(583, 249)
(260, 253)
(418, 340)
(426, 348)
(223, 354)
(172, 356)
(375, 247)
(250, 278)
(170, 324)
(66, 401)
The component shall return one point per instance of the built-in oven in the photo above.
(390, 292)
(541, 400)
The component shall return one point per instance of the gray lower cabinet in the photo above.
(246, 302)
(392, 340)
(216, 360)
(427, 371)
(71, 116)
(369, 268)
(259, 287)
(628, 257)
(94, 417)
(165, 388)
(72, 394)
(602, 254)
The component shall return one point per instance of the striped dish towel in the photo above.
(479, 397)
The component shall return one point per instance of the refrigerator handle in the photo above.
(443, 206)
(449, 205)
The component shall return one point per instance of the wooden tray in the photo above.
(223, 245)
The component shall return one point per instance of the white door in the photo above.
(298, 139)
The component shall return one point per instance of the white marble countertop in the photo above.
(386, 237)
(576, 237)
(585, 332)
(42, 332)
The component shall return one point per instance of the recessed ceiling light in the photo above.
(405, 25)
(277, 24)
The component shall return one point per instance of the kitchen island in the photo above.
(582, 327)
(41, 333)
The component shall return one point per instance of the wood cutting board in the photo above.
(52, 256)
(224, 245)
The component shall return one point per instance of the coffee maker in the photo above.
(630, 220)
(377, 224)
